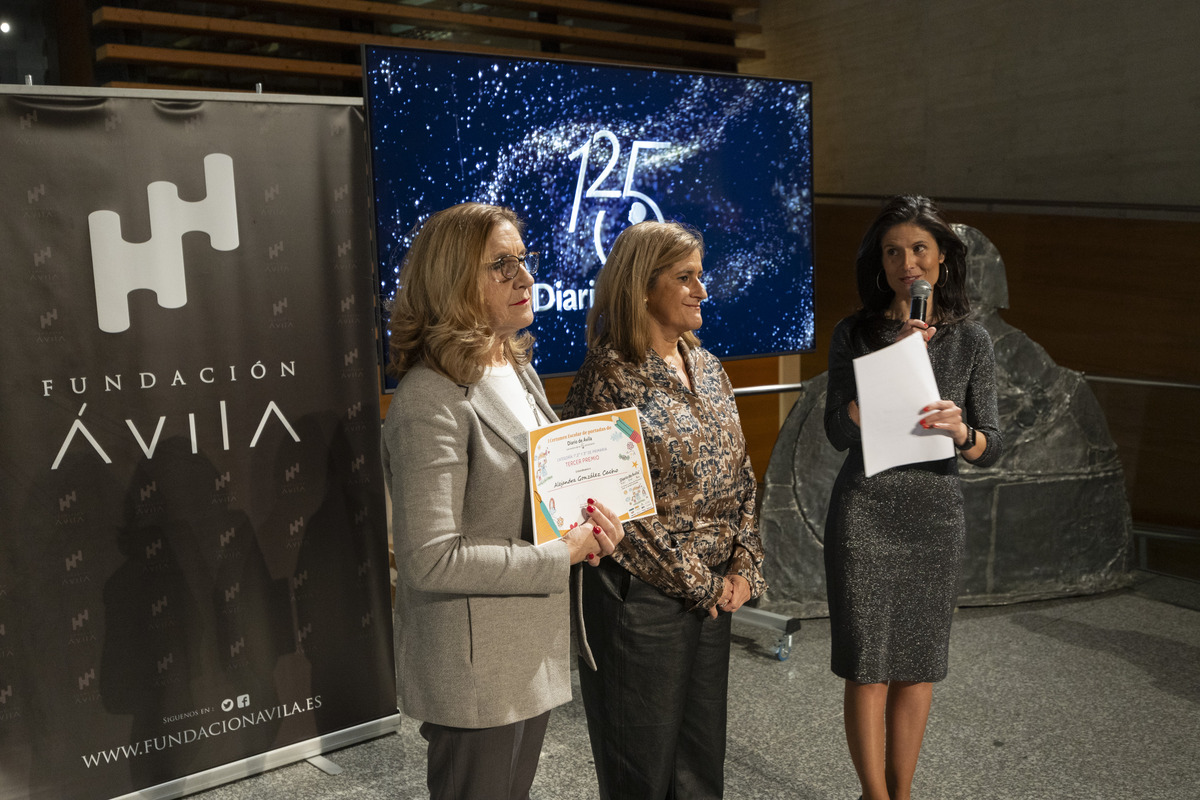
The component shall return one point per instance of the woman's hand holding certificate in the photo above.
(599, 456)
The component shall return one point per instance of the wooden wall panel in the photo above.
(759, 413)
(1109, 296)
(837, 231)
(1160, 450)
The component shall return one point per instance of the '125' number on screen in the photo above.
(638, 212)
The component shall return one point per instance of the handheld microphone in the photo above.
(919, 292)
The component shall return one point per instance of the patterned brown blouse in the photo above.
(703, 484)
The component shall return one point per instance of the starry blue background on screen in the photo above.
(582, 151)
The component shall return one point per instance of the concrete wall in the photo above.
(1049, 100)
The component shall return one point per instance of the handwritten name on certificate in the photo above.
(601, 456)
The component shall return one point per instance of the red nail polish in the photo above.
(590, 501)
(591, 509)
(591, 556)
(596, 529)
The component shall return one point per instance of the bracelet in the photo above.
(970, 442)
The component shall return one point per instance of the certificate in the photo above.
(600, 456)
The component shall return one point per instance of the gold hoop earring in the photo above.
(879, 275)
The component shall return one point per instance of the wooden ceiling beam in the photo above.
(523, 29)
(194, 59)
(646, 34)
(111, 17)
(712, 6)
(632, 14)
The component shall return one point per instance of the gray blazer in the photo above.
(482, 615)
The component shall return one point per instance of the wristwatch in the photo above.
(970, 441)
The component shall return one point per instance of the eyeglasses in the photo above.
(508, 266)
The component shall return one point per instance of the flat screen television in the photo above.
(581, 151)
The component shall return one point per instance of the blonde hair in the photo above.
(619, 318)
(439, 316)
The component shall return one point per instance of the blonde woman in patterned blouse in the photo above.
(658, 612)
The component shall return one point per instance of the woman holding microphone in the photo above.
(894, 541)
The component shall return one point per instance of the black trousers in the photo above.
(484, 763)
(656, 706)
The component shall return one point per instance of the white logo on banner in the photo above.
(156, 264)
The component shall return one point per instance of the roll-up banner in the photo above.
(193, 554)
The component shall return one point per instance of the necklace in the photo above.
(538, 416)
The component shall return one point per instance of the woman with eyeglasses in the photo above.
(482, 614)
(658, 611)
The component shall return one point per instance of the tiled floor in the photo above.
(1092, 698)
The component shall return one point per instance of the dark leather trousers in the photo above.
(656, 704)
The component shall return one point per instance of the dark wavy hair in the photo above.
(950, 294)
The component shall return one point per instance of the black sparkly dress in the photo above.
(894, 541)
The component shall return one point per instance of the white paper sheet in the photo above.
(894, 384)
